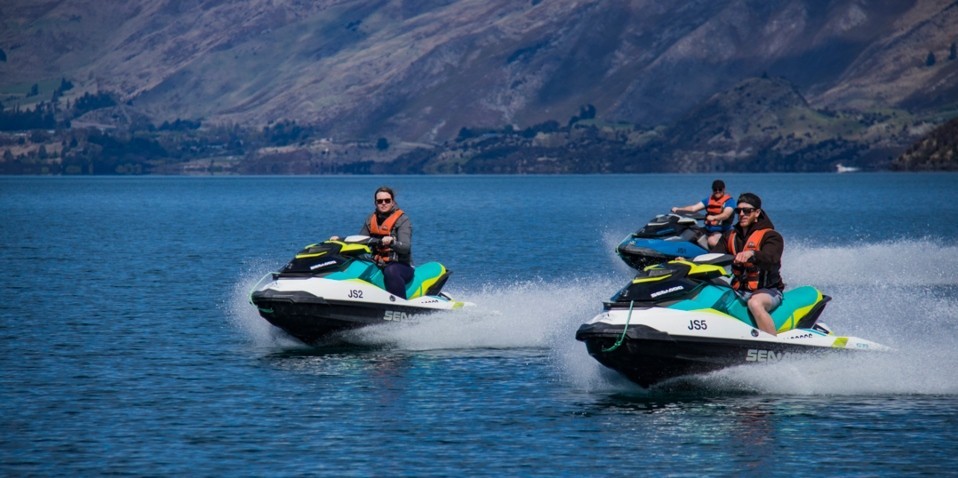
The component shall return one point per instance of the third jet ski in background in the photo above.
(664, 238)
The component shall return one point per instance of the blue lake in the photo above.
(129, 347)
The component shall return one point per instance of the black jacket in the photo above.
(768, 258)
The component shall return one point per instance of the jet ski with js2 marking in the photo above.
(683, 318)
(336, 285)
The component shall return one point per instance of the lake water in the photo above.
(129, 347)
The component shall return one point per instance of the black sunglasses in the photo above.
(384, 201)
(744, 210)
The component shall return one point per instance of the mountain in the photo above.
(844, 77)
(421, 70)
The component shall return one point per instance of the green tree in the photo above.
(930, 61)
(953, 53)
(3, 56)
(34, 90)
(382, 144)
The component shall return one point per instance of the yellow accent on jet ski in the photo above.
(706, 269)
(426, 284)
(306, 256)
(355, 248)
(792, 320)
(840, 342)
(639, 280)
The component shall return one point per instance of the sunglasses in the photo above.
(744, 210)
(384, 201)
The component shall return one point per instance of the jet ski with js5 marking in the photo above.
(663, 238)
(683, 318)
(336, 285)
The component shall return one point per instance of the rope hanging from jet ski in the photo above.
(624, 330)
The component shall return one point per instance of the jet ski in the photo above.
(336, 285)
(683, 318)
(663, 238)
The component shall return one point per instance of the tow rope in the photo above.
(624, 330)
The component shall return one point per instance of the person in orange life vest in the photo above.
(718, 208)
(756, 269)
(394, 255)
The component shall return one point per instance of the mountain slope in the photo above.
(937, 151)
(423, 70)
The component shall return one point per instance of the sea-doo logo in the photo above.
(666, 291)
(322, 264)
(398, 316)
(755, 355)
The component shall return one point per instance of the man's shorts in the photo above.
(775, 294)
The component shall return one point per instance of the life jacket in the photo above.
(715, 207)
(384, 254)
(754, 277)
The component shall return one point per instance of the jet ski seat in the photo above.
(427, 279)
(800, 307)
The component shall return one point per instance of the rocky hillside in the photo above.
(766, 124)
(423, 70)
(938, 151)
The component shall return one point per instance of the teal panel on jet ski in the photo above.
(718, 298)
(366, 271)
(795, 304)
(425, 276)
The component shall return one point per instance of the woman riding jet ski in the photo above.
(682, 318)
(337, 285)
(663, 238)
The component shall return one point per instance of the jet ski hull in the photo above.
(312, 308)
(311, 319)
(648, 356)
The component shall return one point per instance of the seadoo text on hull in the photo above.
(682, 318)
(335, 285)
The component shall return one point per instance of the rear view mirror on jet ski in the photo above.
(336, 285)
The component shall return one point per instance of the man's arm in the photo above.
(690, 209)
(722, 216)
(403, 230)
(719, 247)
(771, 249)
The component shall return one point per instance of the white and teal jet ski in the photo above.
(683, 318)
(335, 285)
